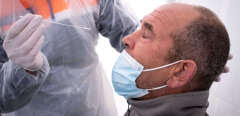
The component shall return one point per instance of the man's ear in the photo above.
(182, 73)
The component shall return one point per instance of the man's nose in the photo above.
(128, 42)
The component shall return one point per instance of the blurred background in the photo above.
(224, 95)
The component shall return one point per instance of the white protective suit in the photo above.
(76, 84)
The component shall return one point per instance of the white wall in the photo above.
(225, 95)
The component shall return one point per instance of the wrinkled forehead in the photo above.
(171, 16)
(162, 21)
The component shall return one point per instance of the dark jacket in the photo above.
(186, 104)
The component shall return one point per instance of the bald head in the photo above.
(176, 15)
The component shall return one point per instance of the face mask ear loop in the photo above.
(158, 87)
(164, 66)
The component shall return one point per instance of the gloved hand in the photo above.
(23, 42)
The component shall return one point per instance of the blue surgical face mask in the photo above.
(124, 74)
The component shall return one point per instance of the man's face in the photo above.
(150, 44)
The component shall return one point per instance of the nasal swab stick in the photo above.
(81, 27)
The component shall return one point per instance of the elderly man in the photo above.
(191, 46)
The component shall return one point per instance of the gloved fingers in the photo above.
(15, 29)
(37, 62)
(19, 25)
(24, 60)
(33, 41)
(37, 47)
(29, 52)
(29, 29)
(29, 62)
(23, 54)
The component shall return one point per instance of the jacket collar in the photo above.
(172, 105)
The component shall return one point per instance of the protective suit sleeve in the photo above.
(16, 85)
(115, 22)
(3, 55)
